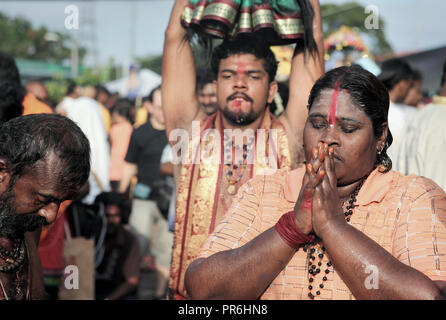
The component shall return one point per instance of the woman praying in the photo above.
(343, 226)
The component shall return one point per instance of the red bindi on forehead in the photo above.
(333, 105)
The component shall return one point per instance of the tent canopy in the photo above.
(147, 80)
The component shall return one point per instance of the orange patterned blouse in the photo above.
(406, 215)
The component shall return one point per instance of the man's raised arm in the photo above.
(178, 74)
(306, 68)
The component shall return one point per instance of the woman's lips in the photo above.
(337, 158)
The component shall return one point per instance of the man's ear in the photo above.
(5, 176)
(273, 87)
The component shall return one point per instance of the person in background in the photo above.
(90, 92)
(206, 96)
(112, 100)
(120, 133)
(74, 91)
(414, 96)
(397, 76)
(422, 150)
(102, 96)
(133, 84)
(39, 90)
(143, 160)
(143, 111)
(11, 97)
(86, 112)
(117, 275)
(10, 73)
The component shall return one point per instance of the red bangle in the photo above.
(290, 233)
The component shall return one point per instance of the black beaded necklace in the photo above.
(13, 258)
(310, 249)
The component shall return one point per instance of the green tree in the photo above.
(153, 63)
(57, 88)
(353, 15)
(20, 40)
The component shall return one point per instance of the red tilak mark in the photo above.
(241, 68)
(332, 108)
(308, 200)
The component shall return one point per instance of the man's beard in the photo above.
(238, 117)
(13, 225)
(112, 229)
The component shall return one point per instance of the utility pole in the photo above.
(132, 36)
(88, 34)
(74, 57)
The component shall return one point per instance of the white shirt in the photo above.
(86, 112)
(66, 102)
(423, 149)
(399, 116)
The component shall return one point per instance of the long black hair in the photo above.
(367, 93)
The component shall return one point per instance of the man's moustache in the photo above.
(239, 94)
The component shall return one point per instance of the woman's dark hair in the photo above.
(246, 43)
(151, 94)
(11, 97)
(26, 140)
(71, 87)
(368, 93)
(124, 108)
(8, 69)
(394, 71)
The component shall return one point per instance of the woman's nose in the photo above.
(330, 135)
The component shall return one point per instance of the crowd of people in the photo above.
(351, 187)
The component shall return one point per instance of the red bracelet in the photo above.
(290, 233)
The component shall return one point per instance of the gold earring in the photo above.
(380, 150)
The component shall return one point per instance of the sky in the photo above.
(410, 25)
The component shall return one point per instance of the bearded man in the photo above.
(44, 160)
